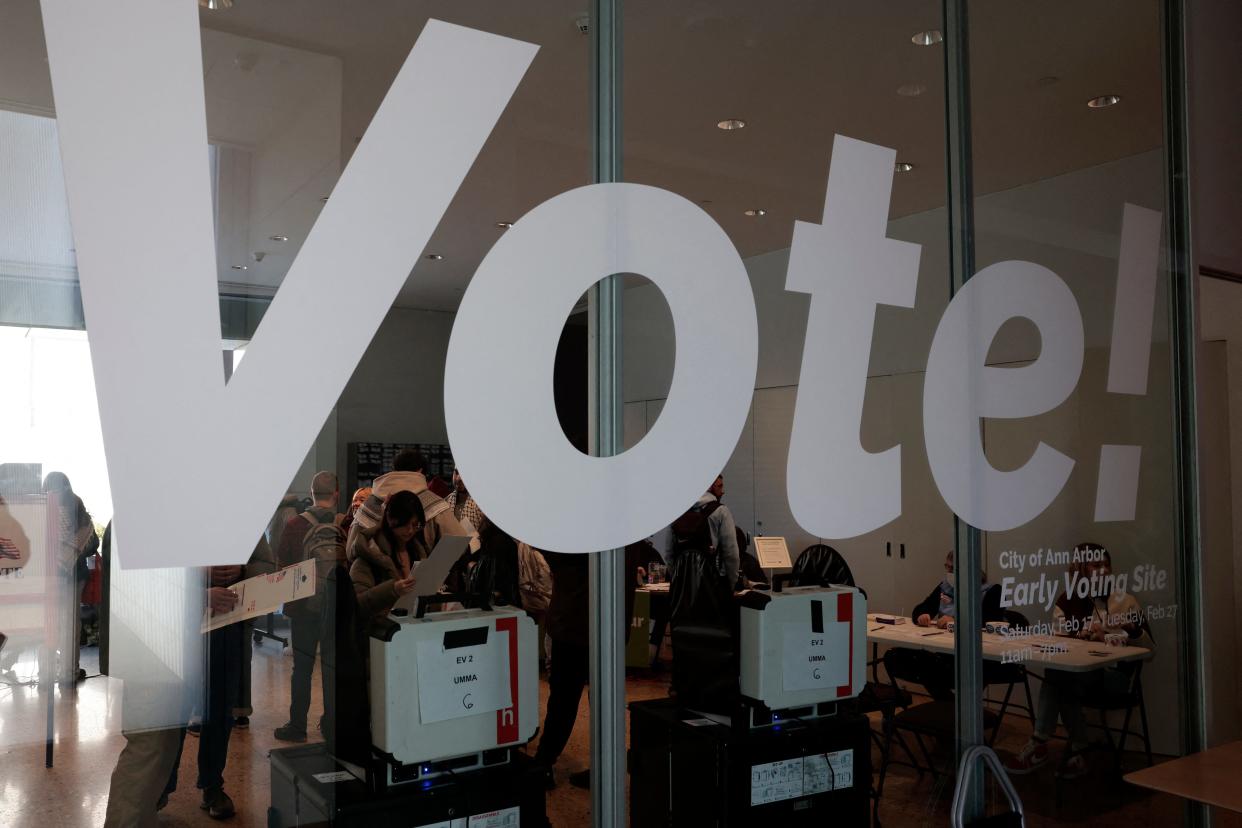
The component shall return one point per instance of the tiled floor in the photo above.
(74, 792)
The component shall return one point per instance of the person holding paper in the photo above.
(307, 626)
(145, 775)
(409, 473)
(383, 565)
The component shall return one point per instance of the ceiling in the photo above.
(798, 72)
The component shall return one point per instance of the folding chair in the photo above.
(1129, 700)
(1010, 675)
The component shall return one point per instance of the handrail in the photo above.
(989, 758)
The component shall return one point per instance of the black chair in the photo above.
(1128, 701)
(820, 564)
(1010, 675)
(935, 719)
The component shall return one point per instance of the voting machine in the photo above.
(452, 691)
(802, 646)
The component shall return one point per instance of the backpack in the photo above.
(534, 579)
(324, 543)
(691, 531)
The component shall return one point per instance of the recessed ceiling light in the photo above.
(240, 267)
(903, 166)
(278, 238)
(928, 38)
(216, 5)
(504, 225)
(729, 124)
(1104, 101)
(757, 211)
(435, 257)
(911, 90)
(324, 199)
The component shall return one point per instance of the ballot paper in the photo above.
(265, 593)
(430, 574)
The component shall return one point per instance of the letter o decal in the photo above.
(498, 385)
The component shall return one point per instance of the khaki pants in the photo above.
(141, 774)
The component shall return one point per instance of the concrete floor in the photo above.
(75, 791)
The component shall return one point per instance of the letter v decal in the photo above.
(197, 467)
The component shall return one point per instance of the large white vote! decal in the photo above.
(133, 144)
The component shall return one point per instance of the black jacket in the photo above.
(991, 605)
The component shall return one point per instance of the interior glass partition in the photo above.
(943, 301)
(1070, 175)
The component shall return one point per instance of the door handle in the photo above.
(888, 549)
(903, 551)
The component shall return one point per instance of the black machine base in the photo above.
(310, 788)
(687, 770)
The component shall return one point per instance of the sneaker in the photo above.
(581, 779)
(242, 723)
(1032, 756)
(217, 804)
(1074, 767)
(289, 732)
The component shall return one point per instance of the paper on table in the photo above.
(265, 593)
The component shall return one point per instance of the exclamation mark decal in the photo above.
(1116, 493)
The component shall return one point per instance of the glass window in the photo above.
(291, 588)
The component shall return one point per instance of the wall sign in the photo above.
(457, 682)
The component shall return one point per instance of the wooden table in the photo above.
(1058, 652)
(1213, 777)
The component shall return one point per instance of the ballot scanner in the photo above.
(802, 648)
(789, 753)
(452, 692)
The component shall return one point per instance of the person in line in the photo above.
(78, 542)
(382, 570)
(145, 776)
(307, 627)
(360, 497)
(262, 562)
(1113, 613)
(567, 625)
(14, 554)
(408, 474)
(935, 671)
(708, 527)
(493, 569)
(721, 528)
(463, 505)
